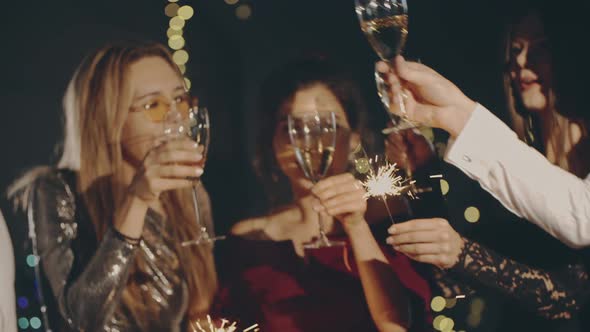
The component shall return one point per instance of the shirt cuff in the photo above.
(482, 142)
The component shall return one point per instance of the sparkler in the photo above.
(210, 327)
(383, 180)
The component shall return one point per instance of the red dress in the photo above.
(265, 282)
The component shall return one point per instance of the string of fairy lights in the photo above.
(23, 303)
(179, 16)
(439, 304)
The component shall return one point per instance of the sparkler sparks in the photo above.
(383, 181)
(210, 327)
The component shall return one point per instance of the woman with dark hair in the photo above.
(323, 294)
(555, 194)
(279, 90)
(107, 222)
(540, 188)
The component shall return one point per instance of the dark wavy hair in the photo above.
(278, 91)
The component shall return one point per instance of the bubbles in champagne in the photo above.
(315, 162)
(387, 35)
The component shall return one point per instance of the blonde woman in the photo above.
(108, 221)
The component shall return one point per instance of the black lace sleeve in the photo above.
(553, 295)
(449, 286)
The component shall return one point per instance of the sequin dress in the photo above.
(78, 280)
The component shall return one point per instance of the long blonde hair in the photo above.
(96, 105)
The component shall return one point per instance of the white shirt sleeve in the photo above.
(522, 179)
(7, 300)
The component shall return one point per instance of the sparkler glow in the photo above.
(385, 181)
(210, 327)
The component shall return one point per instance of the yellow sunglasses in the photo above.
(157, 107)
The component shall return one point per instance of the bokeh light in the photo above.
(243, 12)
(444, 186)
(473, 320)
(477, 305)
(177, 23)
(35, 322)
(437, 304)
(472, 214)
(171, 9)
(182, 68)
(32, 260)
(186, 12)
(23, 302)
(446, 324)
(173, 32)
(23, 323)
(451, 303)
(231, 2)
(176, 42)
(187, 83)
(180, 57)
(437, 320)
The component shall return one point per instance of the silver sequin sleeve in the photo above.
(87, 290)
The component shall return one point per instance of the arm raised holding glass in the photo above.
(430, 98)
(487, 150)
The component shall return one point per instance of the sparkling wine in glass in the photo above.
(385, 23)
(197, 128)
(313, 136)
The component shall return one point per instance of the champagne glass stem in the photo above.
(203, 236)
(202, 229)
(398, 93)
(323, 237)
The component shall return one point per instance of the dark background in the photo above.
(43, 42)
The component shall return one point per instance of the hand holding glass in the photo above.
(176, 125)
(385, 23)
(313, 136)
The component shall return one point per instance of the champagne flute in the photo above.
(385, 23)
(313, 136)
(197, 126)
